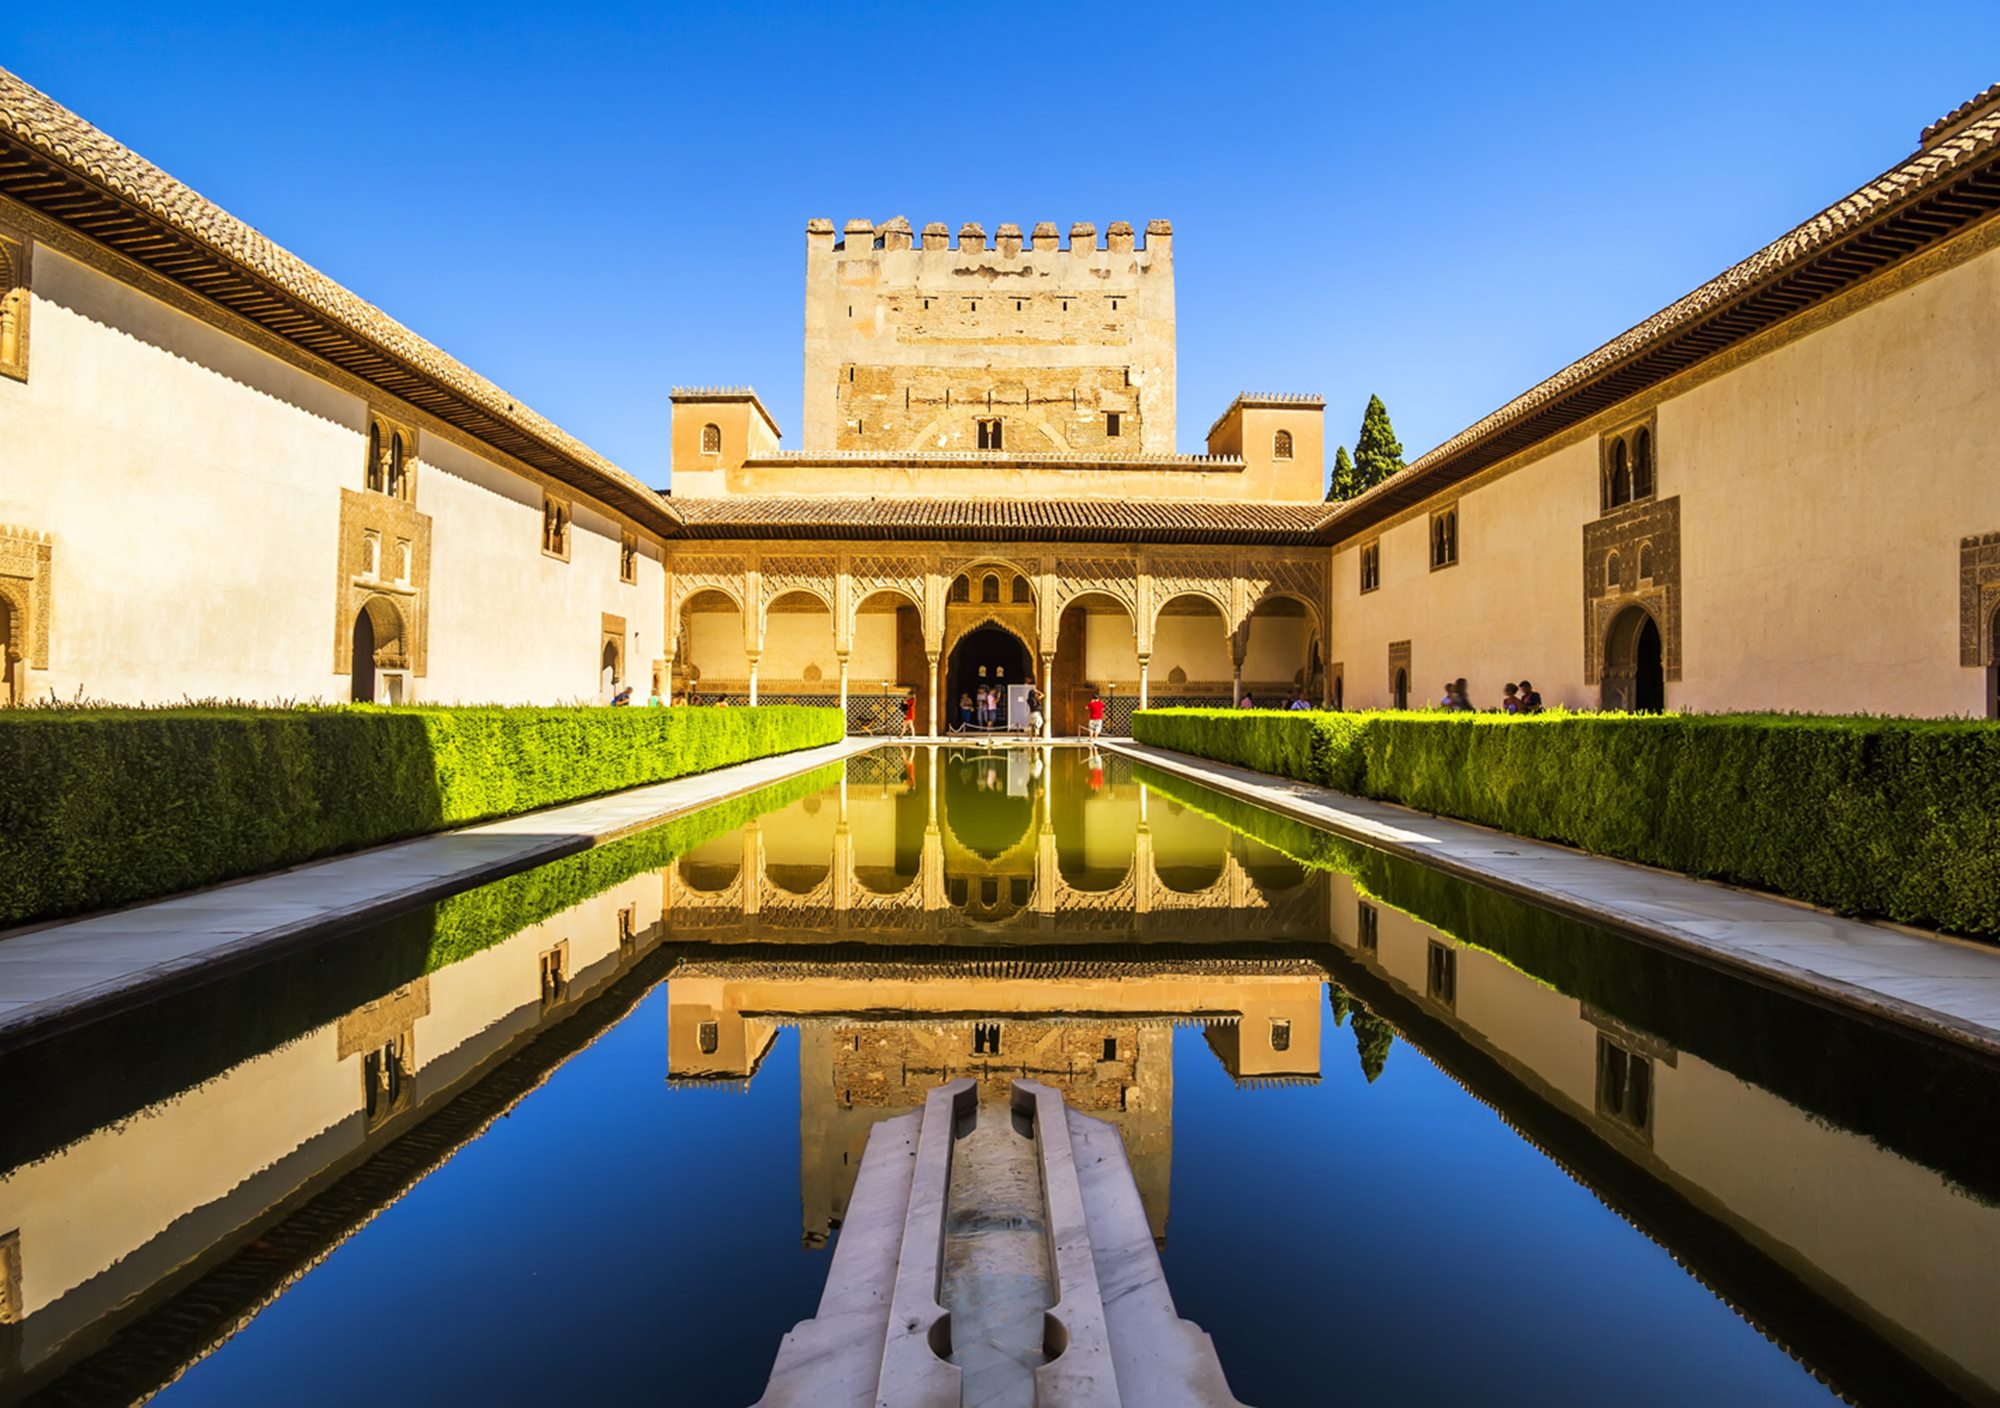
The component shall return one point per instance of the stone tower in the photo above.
(1025, 346)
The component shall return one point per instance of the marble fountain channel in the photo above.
(996, 1255)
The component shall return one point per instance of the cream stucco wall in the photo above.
(191, 482)
(1824, 485)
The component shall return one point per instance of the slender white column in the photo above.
(753, 681)
(1145, 671)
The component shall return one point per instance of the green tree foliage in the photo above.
(1340, 1002)
(1346, 481)
(1377, 452)
(1892, 817)
(107, 806)
(1372, 1039)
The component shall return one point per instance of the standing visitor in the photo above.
(1460, 698)
(1035, 715)
(909, 716)
(1096, 712)
(964, 710)
(1449, 699)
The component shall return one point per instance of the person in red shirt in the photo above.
(909, 716)
(1096, 715)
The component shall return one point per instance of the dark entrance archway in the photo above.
(1634, 664)
(1402, 688)
(1993, 666)
(988, 655)
(363, 684)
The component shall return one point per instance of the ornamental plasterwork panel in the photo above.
(1115, 577)
(1198, 576)
(1399, 659)
(384, 568)
(811, 575)
(1029, 567)
(1978, 597)
(700, 574)
(1648, 530)
(871, 573)
(1304, 578)
(26, 559)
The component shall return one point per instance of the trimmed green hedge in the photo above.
(102, 807)
(1892, 817)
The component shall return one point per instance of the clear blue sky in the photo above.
(1439, 203)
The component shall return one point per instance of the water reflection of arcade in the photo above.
(967, 845)
(875, 1038)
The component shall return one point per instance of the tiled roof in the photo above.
(1269, 400)
(53, 161)
(1948, 186)
(1087, 520)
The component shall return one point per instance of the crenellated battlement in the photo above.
(896, 234)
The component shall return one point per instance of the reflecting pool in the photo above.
(588, 1133)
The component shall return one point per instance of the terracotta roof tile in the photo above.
(1102, 520)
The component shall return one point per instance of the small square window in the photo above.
(1441, 975)
(1367, 928)
(708, 1037)
(1110, 1048)
(1624, 1086)
(555, 974)
(1111, 424)
(990, 437)
(1281, 1035)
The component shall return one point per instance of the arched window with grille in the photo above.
(1621, 474)
(1612, 568)
(961, 589)
(1642, 463)
(1281, 445)
(373, 471)
(1021, 597)
(395, 466)
(711, 439)
(989, 590)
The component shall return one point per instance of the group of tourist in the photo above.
(986, 707)
(1298, 700)
(1522, 698)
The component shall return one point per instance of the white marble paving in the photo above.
(62, 972)
(1948, 986)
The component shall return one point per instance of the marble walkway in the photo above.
(70, 971)
(1947, 986)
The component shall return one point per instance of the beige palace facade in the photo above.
(224, 476)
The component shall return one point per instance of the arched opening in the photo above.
(1097, 655)
(1402, 688)
(1621, 474)
(1281, 445)
(1278, 654)
(1340, 691)
(361, 688)
(710, 662)
(1993, 666)
(799, 656)
(12, 666)
(1642, 464)
(375, 457)
(989, 589)
(610, 672)
(885, 660)
(1611, 566)
(1020, 594)
(988, 657)
(396, 466)
(1191, 650)
(1634, 676)
(961, 588)
(711, 439)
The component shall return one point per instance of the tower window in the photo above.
(986, 1039)
(1281, 445)
(1281, 1035)
(989, 435)
(1110, 1048)
(1111, 424)
(711, 439)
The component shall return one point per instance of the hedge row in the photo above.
(102, 807)
(1898, 818)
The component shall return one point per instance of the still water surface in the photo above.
(587, 1134)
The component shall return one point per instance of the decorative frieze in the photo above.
(1978, 598)
(1632, 557)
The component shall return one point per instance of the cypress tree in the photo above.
(1377, 452)
(1372, 1039)
(1346, 483)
